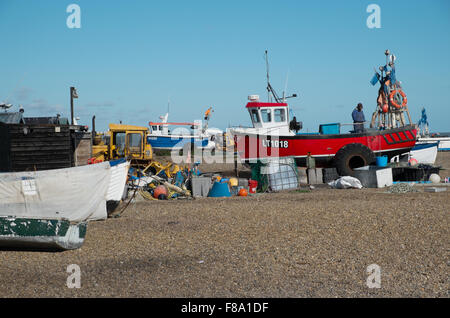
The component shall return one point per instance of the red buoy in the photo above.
(160, 190)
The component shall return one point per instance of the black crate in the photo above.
(329, 174)
(420, 173)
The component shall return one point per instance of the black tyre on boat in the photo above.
(352, 156)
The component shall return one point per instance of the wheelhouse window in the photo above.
(255, 116)
(280, 115)
(266, 115)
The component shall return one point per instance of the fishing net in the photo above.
(276, 174)
(263, 180)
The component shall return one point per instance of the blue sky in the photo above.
(129, 57)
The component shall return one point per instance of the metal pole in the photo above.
(71, 104)
(93, 127)
(268, 81)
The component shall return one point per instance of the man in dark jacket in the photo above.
(358, 119)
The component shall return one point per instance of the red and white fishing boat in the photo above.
(274, 135)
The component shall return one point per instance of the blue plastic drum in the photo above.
(382, 161)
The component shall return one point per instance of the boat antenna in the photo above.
(269, 99)
(168, 103)
(271, 92)
(285, 87)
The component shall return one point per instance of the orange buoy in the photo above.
(393, 102)
(242, 193)
(413, 162)
(385, 108)
(160, 190)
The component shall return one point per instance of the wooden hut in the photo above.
(29, 147)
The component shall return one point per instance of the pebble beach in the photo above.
(303, 243)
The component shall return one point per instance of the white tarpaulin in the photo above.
(346, 183)
(76, 194)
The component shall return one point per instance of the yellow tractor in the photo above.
(127, 141)
(123, 141)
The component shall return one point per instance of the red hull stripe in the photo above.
(260, 146)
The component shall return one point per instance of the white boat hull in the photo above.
(425, 153)
(444, 142)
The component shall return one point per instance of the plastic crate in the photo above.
(330, 129)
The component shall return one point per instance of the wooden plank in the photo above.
(64, 163)
(31, 132)
(53, 148)
(42, 138)
(40, 158)
(47, 162)
(39, 143)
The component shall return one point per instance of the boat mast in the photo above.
(269, 99)
(270, 91)
(168, 104)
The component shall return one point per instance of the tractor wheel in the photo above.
(352, 156)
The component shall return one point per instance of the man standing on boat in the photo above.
(358, 119)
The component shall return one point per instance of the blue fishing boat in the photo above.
(162, 138)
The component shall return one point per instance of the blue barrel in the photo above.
(219, 189)
(382, 161)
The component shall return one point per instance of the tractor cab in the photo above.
(129, 142)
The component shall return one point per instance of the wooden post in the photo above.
(224, 147)
(235, 157)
